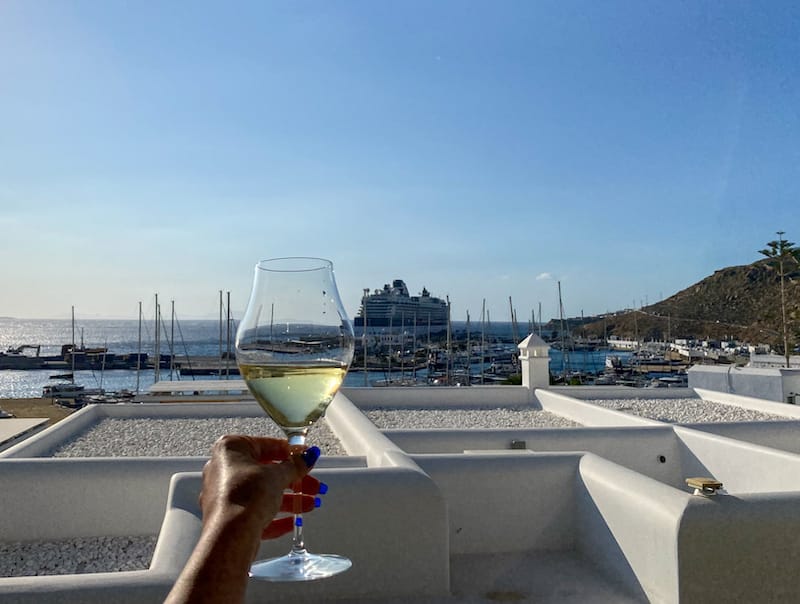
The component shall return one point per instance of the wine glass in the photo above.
(293, 348)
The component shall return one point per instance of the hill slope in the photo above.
(741, 302)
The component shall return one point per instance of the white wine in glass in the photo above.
(293, 348)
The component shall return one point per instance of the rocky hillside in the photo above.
(741, 302)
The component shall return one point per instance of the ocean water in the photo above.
(194, 338)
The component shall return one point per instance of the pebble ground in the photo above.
(194, 437)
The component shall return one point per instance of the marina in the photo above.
(111, 358)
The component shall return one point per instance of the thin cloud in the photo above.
(544, 277)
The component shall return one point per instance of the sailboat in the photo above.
(68, 390)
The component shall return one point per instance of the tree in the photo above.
(781, 254)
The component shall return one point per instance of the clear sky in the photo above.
(480, 149)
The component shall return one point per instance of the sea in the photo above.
(193, 338)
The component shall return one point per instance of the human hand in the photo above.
(243, 489)
(246, 478)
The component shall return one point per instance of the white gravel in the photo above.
(178, 437)
(75, 556)
(466, 419)
(143, 437)
(687, 410)
(152, 437)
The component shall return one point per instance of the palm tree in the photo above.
(781, 252)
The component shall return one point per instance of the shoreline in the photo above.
(34, 407)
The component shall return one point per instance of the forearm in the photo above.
(217, 569)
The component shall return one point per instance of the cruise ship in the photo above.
(393, 306)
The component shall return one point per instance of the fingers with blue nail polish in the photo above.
(310, 456)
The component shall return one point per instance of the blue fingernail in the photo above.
(310, 456)
(298, 521)
(317, 502)
(323, 488)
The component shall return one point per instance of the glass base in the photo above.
(299, 566)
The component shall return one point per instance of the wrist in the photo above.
(233, 518)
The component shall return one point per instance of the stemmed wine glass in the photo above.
(293, 348)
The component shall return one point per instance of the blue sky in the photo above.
(480, 149)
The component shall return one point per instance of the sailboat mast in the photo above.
(172, 341)
(540, 319)
(219, 368)
(402, 346)
(139, 349)
(72, 376)
(483, 337)
(564, 354)
(103, 365)
(391, 335)
(469, 354)
(228, 327)
(449, 344)
(428, 351)
(364, 334)
(157, 347)
(414, 349)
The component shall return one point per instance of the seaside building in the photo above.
(522, 493)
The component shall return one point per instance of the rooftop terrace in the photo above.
(497, 493)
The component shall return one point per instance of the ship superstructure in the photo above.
(392, 305)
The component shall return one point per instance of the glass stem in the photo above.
(298, 545)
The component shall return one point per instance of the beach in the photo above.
(34, 407)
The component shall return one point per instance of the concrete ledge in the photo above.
(605, 504)
(774, 384)
(629, 526)
(391, 522)
(365, 439)
(640, 449)
(750, 402)
(15, 429)
(359, 436)
(586, 413)
(740, 549)
(741, 467)
(65, 498)
(437, 397)
(606, 392)
(100, 588)
(507, 502)
(775, 435)
(42, 443)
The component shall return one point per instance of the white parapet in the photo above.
(594, 511)
(770, 383)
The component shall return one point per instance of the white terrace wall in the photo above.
(437, 397)
(743, 548)
(86, 497)
(773, 384)
(507, 502)
(391, 522)
(776, 435)
(390, 519)
(741, 467)
(628, 526)
(45, 442)
(652, 451)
